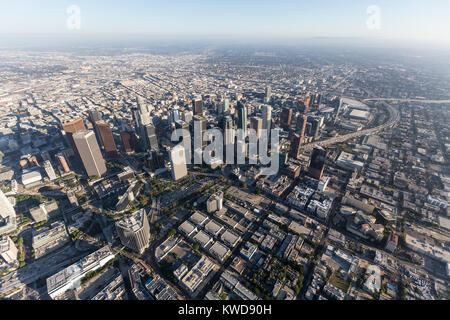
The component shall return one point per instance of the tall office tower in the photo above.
(319, 100)
(305, 117)
(178, 162)
(144, 120)
(155, 160)
(308, 129)
(63, 162)
(187, 116)
(223, 106)
(315, 127)
(150, 136)
(7, 215)
(228, 131)
(294, 151)
(72, 127)
(134, 231)
(128, 141)
(266, 117)
(242, 117)
(135, 116)
(141, 118)
(203, 127)
(299, 124)
(317, 163)
(107, 139)
(8, 250)
(197, 106)
(268, 94)
(49, 170)
(175, 115)
(286, 118)
(90, 153)
(256, 124)
(186, 138)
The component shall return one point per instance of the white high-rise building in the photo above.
(7, 215)
(178, 162)
(187, 116)
(8, 250)
(49, 170)
(268, 94)
(266, 117)
(6, 208)
(134, 230)
(215, 202)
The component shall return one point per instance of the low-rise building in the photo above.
(70, 277)
(230, 238)
(49, 239)
(8, 250)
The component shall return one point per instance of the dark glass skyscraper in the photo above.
(317, 163)
(242, 117)
(107, 139)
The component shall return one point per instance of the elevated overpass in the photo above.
(394, 118)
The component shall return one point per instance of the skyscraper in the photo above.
(141, 117)
(155, 160)
(267, 118)
(228, 131)
(8, 250)
(197, 106)
(294, 151)
(299, 124)
(305, 107)
(256, 124)
(63, 162)
(268, 94)
(72, 127)
(128, 141)
(134, 231)
(107, 139)
(242, 117)
(90, 153)
(286, 118)
(317, 162)
(178, 162)
(49, 170)
(150, 136)
(315, 126)
(7, 215)
(175, 115)
(223, 106)
(186, 138)
(202, 121)
(187, 116)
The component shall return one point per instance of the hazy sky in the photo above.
(421, 20)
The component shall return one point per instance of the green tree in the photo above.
(171, 233)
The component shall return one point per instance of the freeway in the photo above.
(394, 118)
(396, 100)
